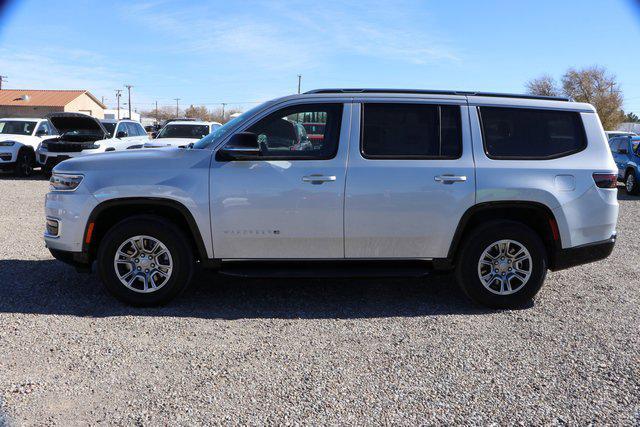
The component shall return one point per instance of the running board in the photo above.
(325, 269)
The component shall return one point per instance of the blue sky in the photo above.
(242, 52)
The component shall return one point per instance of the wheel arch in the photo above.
(535, 215)
(108, 213)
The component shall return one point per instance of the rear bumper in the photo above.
(583, 254)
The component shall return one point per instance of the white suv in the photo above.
(499, 188)
(81, 134)
(181, 133)
(18, 141)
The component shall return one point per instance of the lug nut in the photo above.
(146, 271)
(153, 265)
(137, 260)
(139, 268)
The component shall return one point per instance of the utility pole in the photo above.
(299, 82)
(118, 95)
(2, 79)
(129, 89)
(177, 109)
(223, 105)
(156, 112)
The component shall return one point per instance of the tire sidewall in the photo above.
(24, 158)
(170, 236)
(634, 188)
(467, 271)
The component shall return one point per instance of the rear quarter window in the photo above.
(531, 134)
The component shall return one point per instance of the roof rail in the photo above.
(439, 92)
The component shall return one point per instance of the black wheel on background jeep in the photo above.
(145, 261)
(24, 162)
(631, 184)
(502, 265)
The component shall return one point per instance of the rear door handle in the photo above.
(318, 179)
(450, 179)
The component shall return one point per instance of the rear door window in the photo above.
(411, 131)
(530, 134)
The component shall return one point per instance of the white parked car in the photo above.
(498, 188)
(181, 133)
(19, 139)
(82, 134)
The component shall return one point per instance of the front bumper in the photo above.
(583, 254)
(79, 260)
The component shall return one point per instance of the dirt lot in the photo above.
(312, 351)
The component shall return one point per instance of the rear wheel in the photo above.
(502, 265)
(24, 163)
(145, 261)
(631, 183)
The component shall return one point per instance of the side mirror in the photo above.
(121, 134)
(154, 135)
(241, 146)
(623, 151)
(41, 132)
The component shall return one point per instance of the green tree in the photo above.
(631, 118)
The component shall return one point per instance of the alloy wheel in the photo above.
(143, 264)
(505, 267)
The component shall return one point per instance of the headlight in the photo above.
(44, 145)
(93, 146)
(64, 182)
(7, 143)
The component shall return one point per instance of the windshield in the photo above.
(16, 127)
(184, 131)
(110, 127)
(222, 130)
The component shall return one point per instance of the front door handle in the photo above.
(318, 179)
(450, 179)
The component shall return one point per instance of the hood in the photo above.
(170, 142)
(144, 162)
(24, 139)
(67, 122)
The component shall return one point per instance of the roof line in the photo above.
(439, 92)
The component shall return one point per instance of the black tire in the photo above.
(170, 236)
(631, 184)
(467, 268)
(25, 162)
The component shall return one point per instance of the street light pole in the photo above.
(118, 99)
(177, 109)
(299, 82)
(129, 89)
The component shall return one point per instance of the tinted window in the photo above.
(516, 133)
(282, 134)
(16, 127)
(184, 131)
(411, 131)
(110, 127)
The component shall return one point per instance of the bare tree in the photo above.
(200, 113)
(544, 86)
(592, 85)
(164, 113)
(595, 86)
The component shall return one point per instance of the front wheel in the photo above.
(145, 261)
(502, 265)
(631, 183)
(24, 163)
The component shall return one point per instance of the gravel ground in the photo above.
(312, 351)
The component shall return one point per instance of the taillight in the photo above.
(605, 180)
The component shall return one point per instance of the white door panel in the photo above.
(271, 209)
(405, 208)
